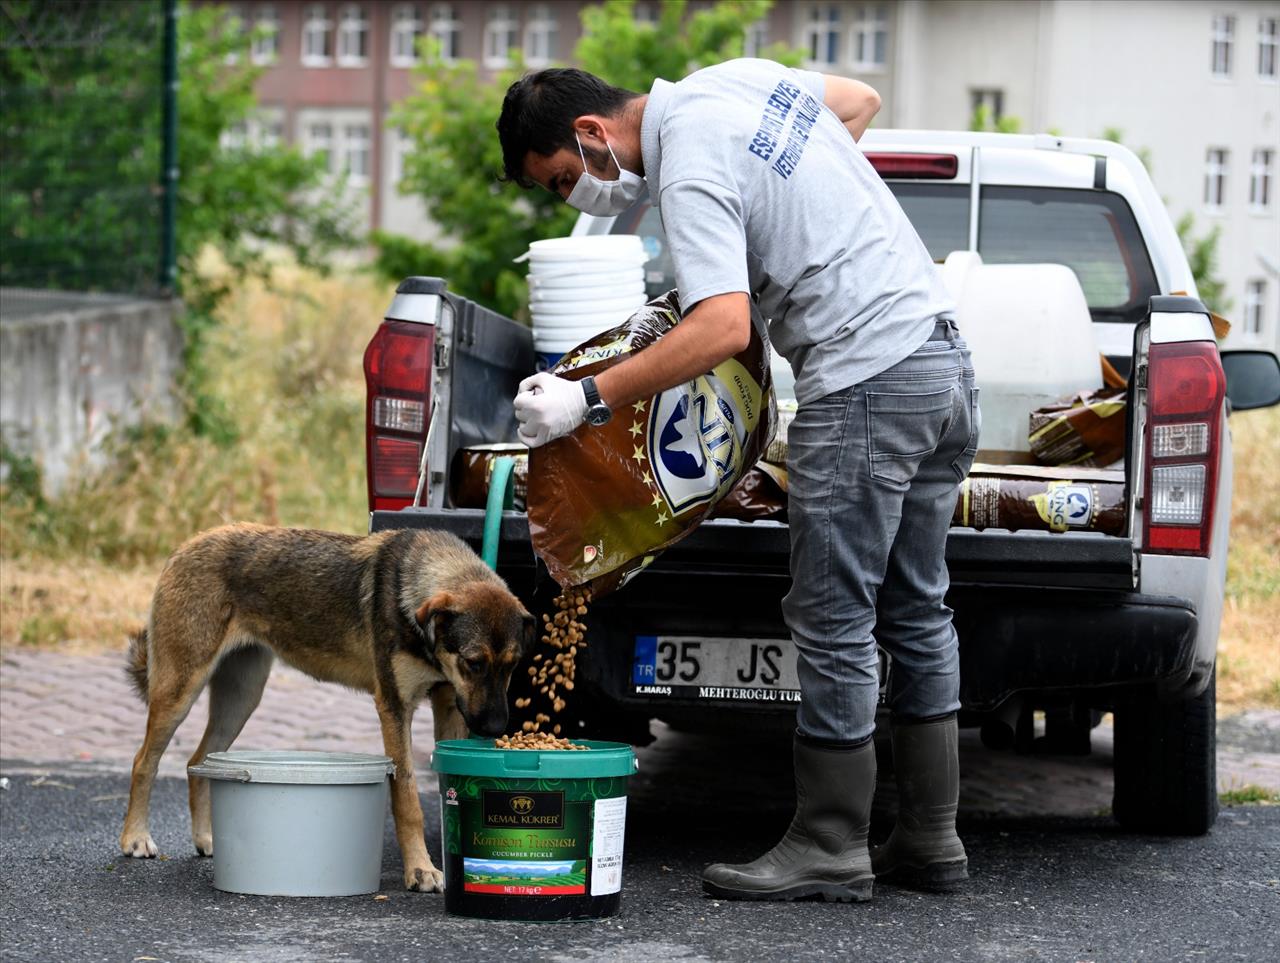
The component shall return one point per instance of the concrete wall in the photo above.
(72, 366)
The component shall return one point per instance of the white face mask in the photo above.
(591, 195)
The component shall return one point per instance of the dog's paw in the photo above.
(139, 847)
(424, 879)
(204, 844)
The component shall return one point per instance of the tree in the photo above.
(456, 160)
(1202, 252)
(981, 119)
(82, 141)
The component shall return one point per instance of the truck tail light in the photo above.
(914, 166)
(1185, 395)
(397, 374)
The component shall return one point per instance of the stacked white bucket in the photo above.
(580, 286)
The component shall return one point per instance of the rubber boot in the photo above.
(824, 852)
(923, 849)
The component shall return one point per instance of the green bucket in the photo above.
(532, 834)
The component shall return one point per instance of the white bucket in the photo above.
(297, 823)
(631, 289)
(580, 286)
(580, 278)
(625, 248)
(576, 312)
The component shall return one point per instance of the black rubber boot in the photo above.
(824, 852)
(924, 849)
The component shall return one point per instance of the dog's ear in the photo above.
(530, 635)
(435, 611)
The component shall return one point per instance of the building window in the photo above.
(353, 37)
(989, 102)
(645, 12)
(1268, 40)
(1215, 177)
(756, 38)
(235, 28)
(265, 46)
(355, 150)
(823, 35)
(540, 36)
(320, 141)
(501, 35)
(1260, 178)
(870, 37)
(272, 134)
(1255, 305)
(317, 37)
(401, 146)
(235, 136)
(1224, 31)
(447, 29)
(406, 28)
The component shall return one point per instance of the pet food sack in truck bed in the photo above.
(604, 501)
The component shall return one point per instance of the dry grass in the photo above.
(1249, 645)
(287, 367)
(85, 607)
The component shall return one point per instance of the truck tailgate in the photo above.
(728, 548)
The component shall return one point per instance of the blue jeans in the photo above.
(873, 475)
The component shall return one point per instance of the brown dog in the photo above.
(401, 614)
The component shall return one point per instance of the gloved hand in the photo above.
(548, 408)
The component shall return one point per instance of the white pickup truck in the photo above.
(1057, 249)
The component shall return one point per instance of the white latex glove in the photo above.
(548, 408)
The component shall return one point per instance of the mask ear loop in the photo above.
(608, 147)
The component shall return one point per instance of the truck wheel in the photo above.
(1166, 776)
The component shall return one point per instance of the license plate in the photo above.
(721, 669)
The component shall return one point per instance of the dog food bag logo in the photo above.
(1065, 505)
(696, 435)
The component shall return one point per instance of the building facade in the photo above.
(1192, 83)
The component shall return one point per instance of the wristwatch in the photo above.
(598, 413)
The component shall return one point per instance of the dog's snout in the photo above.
(490, 724)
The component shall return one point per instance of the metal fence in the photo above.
(86, 136)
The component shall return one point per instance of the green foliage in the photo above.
(243, 201)
(1202, 252)
(456, 160)
(449, 117)
(1202, 255)
(1249, 794)
(982, 119)
(82, 145)
(631, 54)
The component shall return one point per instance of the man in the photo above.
(763, 193)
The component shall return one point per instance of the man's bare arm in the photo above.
(717, 328)
(854, 102)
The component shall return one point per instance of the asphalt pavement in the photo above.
(1043, 888)
(1052, 877)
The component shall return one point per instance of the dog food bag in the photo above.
(1057, 499)
(604, 501)
(762, 494)
(1085, 430)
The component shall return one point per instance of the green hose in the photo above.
(501, 496)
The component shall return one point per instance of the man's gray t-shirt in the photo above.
(762, 190)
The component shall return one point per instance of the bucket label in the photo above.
(554, 838)
(608, 830)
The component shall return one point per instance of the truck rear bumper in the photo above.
(1035, 612)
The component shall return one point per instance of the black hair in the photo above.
(539, 110)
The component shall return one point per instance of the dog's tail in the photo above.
(136, 665)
